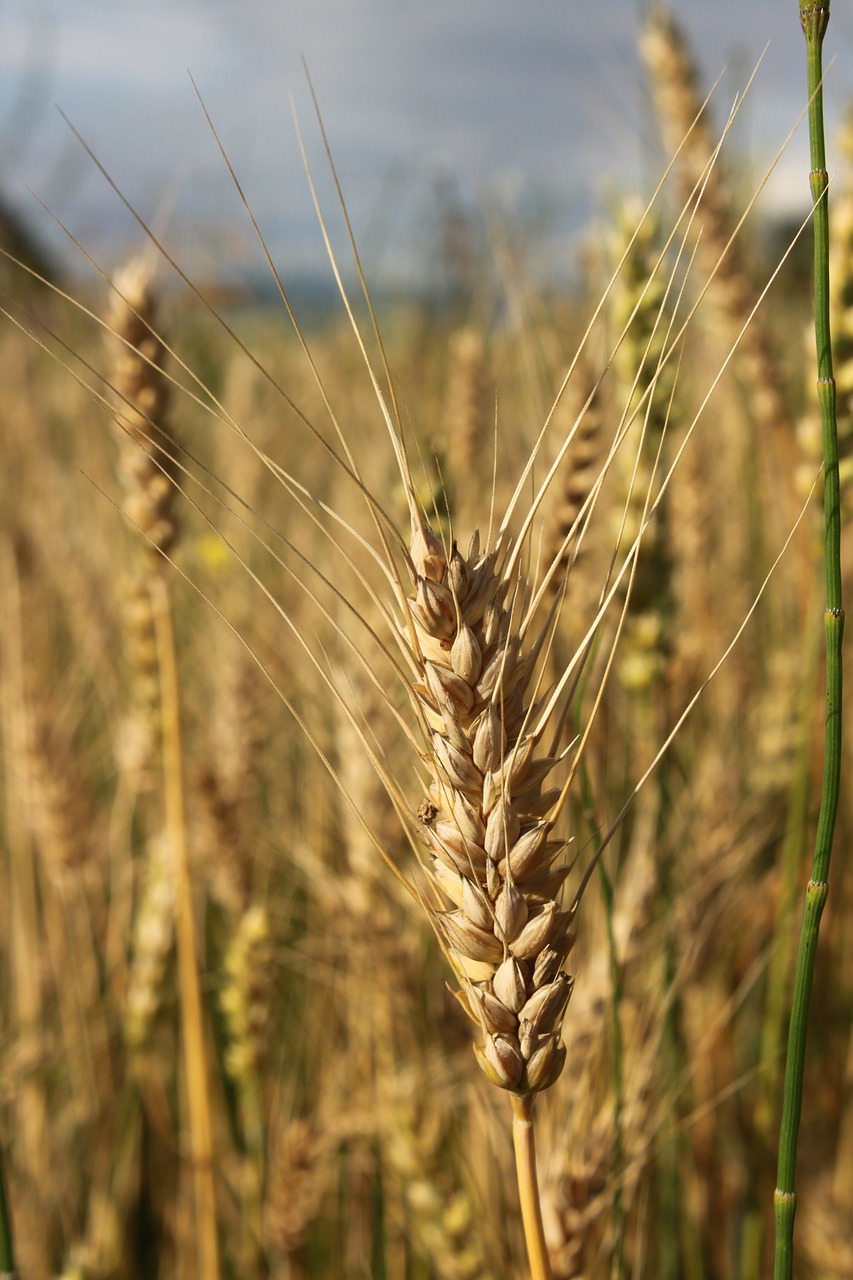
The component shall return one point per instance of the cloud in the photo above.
(543, 99)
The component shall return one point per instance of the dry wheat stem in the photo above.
(531, 1209)
(197, 1095)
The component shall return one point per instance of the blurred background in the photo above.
(227, 1047)
(527, 112)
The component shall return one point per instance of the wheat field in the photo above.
(373, 683)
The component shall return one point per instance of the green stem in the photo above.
(7, 1255)
(815, 19)
(617, 1266)
(617, 1270)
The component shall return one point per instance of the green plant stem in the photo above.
(251, 1112)
(617, 1270)
(523, 1137)
(793, 851)
(815, 19)
(780, 969)
(7, 1255)
(617, 1267)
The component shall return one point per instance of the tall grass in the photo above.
(270, 785)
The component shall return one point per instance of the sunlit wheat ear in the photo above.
(146, 467)
(487, 819)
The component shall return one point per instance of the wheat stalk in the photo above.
(149, 467)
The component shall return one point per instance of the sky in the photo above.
(535, 110)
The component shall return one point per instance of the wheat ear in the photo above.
(487, 822)
(486, 818)
(685, 123)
